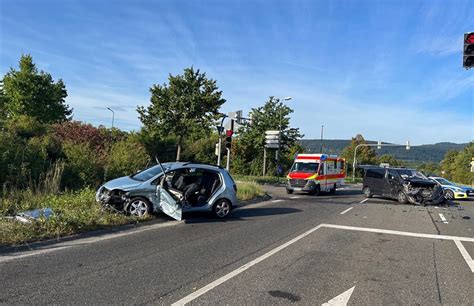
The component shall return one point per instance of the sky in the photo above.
(389, 70)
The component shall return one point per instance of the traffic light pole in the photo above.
(407, 145)
(228, 149)
(219, 131)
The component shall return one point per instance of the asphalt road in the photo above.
(289, 249)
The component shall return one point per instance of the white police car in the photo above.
(452, 190)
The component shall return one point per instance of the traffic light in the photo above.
(228, 138)
(468, 51)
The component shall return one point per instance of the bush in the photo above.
(83, 166)
(126, 157)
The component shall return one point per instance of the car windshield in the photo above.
(409, 174)
(305, 167)
(443, 181)
(147, 174)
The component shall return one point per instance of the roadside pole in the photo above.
(264, 160)
(220, 129)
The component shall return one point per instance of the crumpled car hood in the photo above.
(122, 183)
(420, 183)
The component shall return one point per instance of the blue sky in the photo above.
(390, 70)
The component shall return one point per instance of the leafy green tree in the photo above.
(365, 154)
(248, 146)
(462, 165)
(392, 161)
(29, 92)
(448, 164)
(188, 105)
(126, 157)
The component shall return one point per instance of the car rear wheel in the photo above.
(289, 191)
(139, 207)
(222, 208)
(402, 197)
(449, 194)
(367, 192)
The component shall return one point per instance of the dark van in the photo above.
(402, 184)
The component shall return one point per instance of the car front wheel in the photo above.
(449, 194)
(139, 207)
(402, 197)
(222, 208)
(367, 192)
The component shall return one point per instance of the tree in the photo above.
(32, 93)
(188, 105)
(365, 154)
(248, 146)
(389, 159)
(448, 164)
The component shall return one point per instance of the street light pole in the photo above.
(279, 129)
(113, 116)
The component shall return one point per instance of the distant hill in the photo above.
(424, 153)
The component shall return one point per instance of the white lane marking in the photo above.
(340, 300)
(465, 255)
(443, 219)
(83, 241)
(343, 212)
(294, 197)
(275, 201)
(363, 201)
(241, 269)
(399, 233)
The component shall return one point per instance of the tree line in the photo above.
(39, 137)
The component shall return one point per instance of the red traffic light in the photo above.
(469, 38)
(229, 133)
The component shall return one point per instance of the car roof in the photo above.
(176, 165)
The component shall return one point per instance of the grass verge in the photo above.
(249, 191)
(75, 212)
(259, 179)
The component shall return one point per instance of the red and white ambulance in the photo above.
(314, 173)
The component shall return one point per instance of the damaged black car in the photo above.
(402, 184)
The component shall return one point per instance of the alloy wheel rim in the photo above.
(138, 208)
(449, 195)
(222, 209)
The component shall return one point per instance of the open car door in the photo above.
(167, 203)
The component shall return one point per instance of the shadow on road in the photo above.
(240, 214)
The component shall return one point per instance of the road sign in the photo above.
(272, 132)
(271, 146)
(271, 137)
(270, 141)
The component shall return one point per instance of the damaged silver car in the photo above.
(172, 188)
(402, 184)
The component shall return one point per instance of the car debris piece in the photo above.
(33, 215)
(466, 217)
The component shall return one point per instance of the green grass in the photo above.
(259, 179)
(248, 191)
(75, 212)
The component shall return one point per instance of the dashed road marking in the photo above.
(363, 201)
(443, 219)
(295, 197)
(343, 212)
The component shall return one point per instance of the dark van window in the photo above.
(375, 173)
